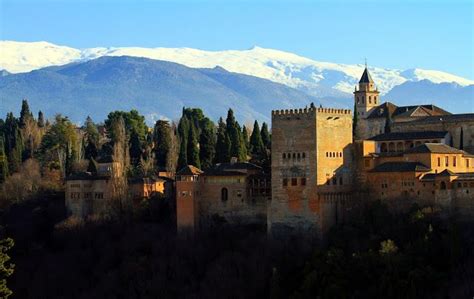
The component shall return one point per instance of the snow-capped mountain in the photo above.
(316, 78)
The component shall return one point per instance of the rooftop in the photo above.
(435, 148)
(389, 109)
(401, 167)
(410, 135)
(189, 170)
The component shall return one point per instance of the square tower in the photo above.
(366, 98)
(311, 157)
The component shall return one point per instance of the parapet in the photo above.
(309, 111)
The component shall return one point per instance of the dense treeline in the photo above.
(376, 255)
(46, 151)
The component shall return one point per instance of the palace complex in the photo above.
(324, 161)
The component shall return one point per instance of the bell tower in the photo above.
(366, 97)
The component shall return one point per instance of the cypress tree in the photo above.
(461, 140)
(266, 138)
(354, 122)
(92, 137)
(245, 137)
(25, 113)
(40, 119)
(193, 149)
(207, 144)
(233, 131)
(256, 143)
(135, 149)
(222, 143)
(13, 143)
(162, 142)
(183, 129)
(3, 161)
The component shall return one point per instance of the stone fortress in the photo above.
(326, 160)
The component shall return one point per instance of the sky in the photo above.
(400, 34)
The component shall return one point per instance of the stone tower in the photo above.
(367, 96)
(311, 168)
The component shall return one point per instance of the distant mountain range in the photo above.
(253, 81)
(158, 89)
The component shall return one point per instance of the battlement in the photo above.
(309, 111)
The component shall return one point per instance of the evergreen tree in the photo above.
(245, 137)
(207, 144)
(3, 161)
(135, 149)
(233, 131)
(266, 138)
(354, 123)
(461, 139)
(25, 113)
(40, 119)
(92, 167)
(192, 148)
(183, 129)
(6, 267)
(92, 139)
(162, 142)
(222, 143)
(256, 142)
(13, 143)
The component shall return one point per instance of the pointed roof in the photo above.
(366, 78)
(435, 148)
(189, 170)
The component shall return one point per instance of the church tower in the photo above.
(367, 96)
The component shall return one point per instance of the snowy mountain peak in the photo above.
(290, 69)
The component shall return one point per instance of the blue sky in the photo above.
(395, 34)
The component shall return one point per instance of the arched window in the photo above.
(370, 99)
(340, 180)
(294, 156)
(362, 99)
(284, 155)
(358, 100)
(375, 99)
(443, 186)
(383, 147)
(224, 194)
(299, 156)
(304, 155)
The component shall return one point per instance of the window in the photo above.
(467, 163)
(294, 181)
(334, 181)
(299, 156)
(285, 182)
(446, 161)
(439, 161)
(454, 161)
(303, 181)
(303, 155)
(99, 195)
(370, 99)
(224, 194)
(284, 156)
(294, 156)
(443, 186)
(340, 181)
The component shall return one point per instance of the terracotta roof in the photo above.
(217, 172)
(387, 108)
(238, 165)
(409, 135)
(86, 176)
(446, 172)
(461, 176)
(435, 148)
(366, 78)
(400, 167)
(189, 170)
(445, 118)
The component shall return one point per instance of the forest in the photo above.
(376, 253)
